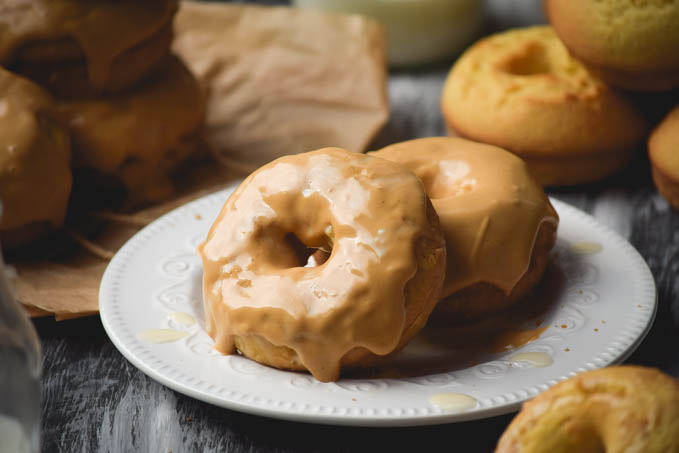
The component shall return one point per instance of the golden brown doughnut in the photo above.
(617, 409)
(79, 48)
(35, 176)
(521, 90)
(498, 223)
(629, 44)
(140, 136)
(372, 295)
(663, 151)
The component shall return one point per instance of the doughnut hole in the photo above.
(532, 59)
(284, 249)
(307, 256)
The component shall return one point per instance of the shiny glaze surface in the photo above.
(35, 178)
(138, 135)
(102, 29)
(489, 206)
(366, 211)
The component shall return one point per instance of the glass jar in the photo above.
(418, 31)
(19, 375)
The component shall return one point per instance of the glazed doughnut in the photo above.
(521, 90)
(617, 409)
(664, 155)
(373, 294)
(35, 153)
(498, 223)
(81, 48)
(138, 137)
(629, 44)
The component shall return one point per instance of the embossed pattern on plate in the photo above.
(603, 311)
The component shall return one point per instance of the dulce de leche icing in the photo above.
(35, 176)
(138, 135)
(103, 29)
(489, 206)
(367, 212)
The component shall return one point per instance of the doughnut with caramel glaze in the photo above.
(137, 138)
(35, 155)
(372, 295)
(499, 224)
(79, 48)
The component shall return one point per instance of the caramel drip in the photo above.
(137, 135)
(489, 207)
(35, 177)
(369, 211)
(103, 29)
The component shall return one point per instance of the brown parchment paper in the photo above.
(282, 80)
(279, 81)
(68, 286)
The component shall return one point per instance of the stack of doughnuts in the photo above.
(558, 96)
(632, 46)
(327, 260)
(84, 48)
(439, 226)
(135, 139)
(132, 110)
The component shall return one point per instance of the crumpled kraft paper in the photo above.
(279, 81)
(284, 80)
(68, 286)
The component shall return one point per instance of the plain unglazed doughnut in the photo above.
(663, 151)
(630, 44)
(35, 155)
(498, 223)
(521, 90)
(374, 292)
(621, 409)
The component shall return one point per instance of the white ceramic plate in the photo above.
(601, 313)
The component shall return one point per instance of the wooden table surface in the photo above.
(94, 400)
